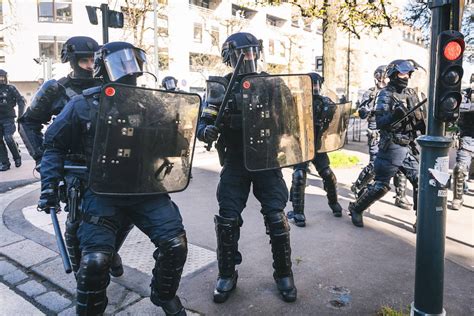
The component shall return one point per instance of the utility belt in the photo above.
(401, 139)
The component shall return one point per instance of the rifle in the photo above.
(60, 241)
(230, 87)
(416, 107)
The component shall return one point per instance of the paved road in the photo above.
(13, 304)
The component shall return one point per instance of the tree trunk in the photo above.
(329, 45)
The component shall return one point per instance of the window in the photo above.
(162, 22)
(271, 47)
(200, 3)
(242, 12)
(198, 32)
(215, 36)
(163, 58)
(55, 11)
(50, 46)
(2, 59)
(198, 62)
(163, 2)
(1, 11)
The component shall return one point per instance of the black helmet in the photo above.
(239, 43)
(74, 49)
(116, 60)
(169, 83)
(402, 66)
(3, 77)
(379, 76)
(317, 81)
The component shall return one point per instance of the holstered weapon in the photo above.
(221, 148)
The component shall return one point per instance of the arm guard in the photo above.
(383, 109)
(19, 100)
(42, 107)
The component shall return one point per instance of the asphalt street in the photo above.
(339, 269)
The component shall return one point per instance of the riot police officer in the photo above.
(156, 215)
(396, 139)
(48, 102)
(9, 98)
(321, 162)
(367, 111)
(235, 180)
(169, 83)
(466, 148)
(53, 95)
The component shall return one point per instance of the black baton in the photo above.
(60, 241)
(409, 112)
(230, 87)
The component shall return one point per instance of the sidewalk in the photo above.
(339, 269)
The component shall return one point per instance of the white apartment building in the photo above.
(190, 35)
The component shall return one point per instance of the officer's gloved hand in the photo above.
(399, 112)
(211, 133)
(48, 199)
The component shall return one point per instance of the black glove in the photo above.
(48, 199)
(211, 133)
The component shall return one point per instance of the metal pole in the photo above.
(43, 63)
(104, 7)
(432, 196)
(155, 38)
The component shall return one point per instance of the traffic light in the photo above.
(448, 75)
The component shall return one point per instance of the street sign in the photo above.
(319, 64)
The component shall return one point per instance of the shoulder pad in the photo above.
(50, 85)
(64, 81)
(91, 91)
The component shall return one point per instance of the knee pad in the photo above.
(170, 257)
(326, 173)
(277, 224)
(299, 177)
(399, 180)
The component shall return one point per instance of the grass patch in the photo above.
(342, 160)
(388, 311)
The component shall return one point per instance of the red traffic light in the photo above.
(453, 50)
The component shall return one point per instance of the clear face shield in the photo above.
(316, 88)
(3, 79)
(124, 62)
(251, 56)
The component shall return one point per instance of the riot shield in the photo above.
(277, 121)
(144, 141)
(331, 126)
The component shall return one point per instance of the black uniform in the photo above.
(321, 162)
(464, 152)
(9, 98)
(366, 176)
(48, 102)
(396, 142)
(157, 216)
(235, 182)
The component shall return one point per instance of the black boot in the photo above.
(228, 233)
(459, 174)
(281, 250)
(365, 177)
(371, 194)
(92, 281)
(298, 186)
(330, 186)
(4, 166)
(400, 182)
(170, 257)
(116, 268)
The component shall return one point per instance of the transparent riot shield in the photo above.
(277, 121)
(144, 141)
(331, 125)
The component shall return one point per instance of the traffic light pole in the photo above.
(432, 196)
(104, 7)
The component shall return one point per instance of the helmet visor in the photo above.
(3, 79)
(405, 67)
(170, 84)
(124, 62)
(251, 56)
